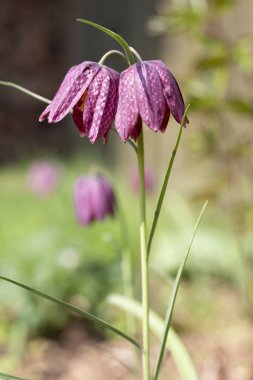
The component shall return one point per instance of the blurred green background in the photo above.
(208, 47)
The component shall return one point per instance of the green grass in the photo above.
(42, 245)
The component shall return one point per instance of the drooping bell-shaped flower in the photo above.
(148, 92)
(93, 198)
(90, 90)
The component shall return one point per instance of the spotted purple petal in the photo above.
(171, 90)
(100, 105)
(127, 115)
(72, 88)
(149, 95)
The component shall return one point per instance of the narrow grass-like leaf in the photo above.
(178, 350)
(165, 182)
(74, 309)
(173, 296)
(10, 377)
(115, 36)
(28, 92)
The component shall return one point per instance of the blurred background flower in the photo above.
(150, 180)
(43, 177)
(94, 199)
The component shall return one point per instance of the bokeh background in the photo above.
(207, 44)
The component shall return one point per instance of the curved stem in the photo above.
(28, 92)
(144, 261)
(137, 55)
(109, 53)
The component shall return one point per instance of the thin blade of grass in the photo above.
(115, 36)
(165, 182)
(28, 92)
(75, 310)
(173, 296)
(178, 350)
(10, 377)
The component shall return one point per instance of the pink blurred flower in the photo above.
(93, 198)
(42, 177)
(90, 90)
(149, 180)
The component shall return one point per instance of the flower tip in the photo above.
(82, 134)
(186, 122)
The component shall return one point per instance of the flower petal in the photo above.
(149, 95)
(45, 113)
(83, 199)
(171, 90)
(137, 129)
(104, 200)
(72, 88)
(101, 104)
(165, 119)
(78, 119)
(127, 114)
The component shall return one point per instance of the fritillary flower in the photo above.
(148, 92)
(90, 91)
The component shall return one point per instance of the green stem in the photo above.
(20, 88)
(137, 55)
(112, 52)
(144, 262)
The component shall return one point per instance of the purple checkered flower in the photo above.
(148, 92)
(93, 198)
(89, 90)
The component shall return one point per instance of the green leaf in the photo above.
(173, 344)
(115, 36)
(74, 309)
(9, 377)
(165, 182)
(173, 297)
(28, 92)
